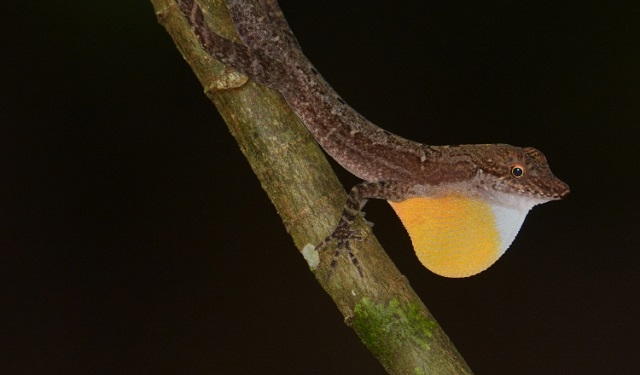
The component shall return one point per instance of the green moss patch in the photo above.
(387, 328)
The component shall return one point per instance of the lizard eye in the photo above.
(517, 171)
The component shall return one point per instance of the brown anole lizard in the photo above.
(462, 205)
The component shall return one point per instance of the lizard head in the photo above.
(520, 173)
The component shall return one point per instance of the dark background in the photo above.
(134, 237)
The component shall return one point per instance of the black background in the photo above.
(134, 237)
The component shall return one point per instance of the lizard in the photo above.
(462, 205)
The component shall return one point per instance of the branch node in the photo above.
(228, 80)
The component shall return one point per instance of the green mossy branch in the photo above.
(387, 328)
(381, 306)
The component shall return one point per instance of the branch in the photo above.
(381, 307)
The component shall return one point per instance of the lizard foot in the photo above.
(343, 238)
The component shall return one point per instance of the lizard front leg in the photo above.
(344, 233)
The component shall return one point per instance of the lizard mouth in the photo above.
(563, 190)
(553, 188)
(564, 194)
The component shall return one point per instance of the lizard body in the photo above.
(462, 205)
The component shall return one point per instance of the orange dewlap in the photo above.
(453, 236)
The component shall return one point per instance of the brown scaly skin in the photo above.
(392, 167)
